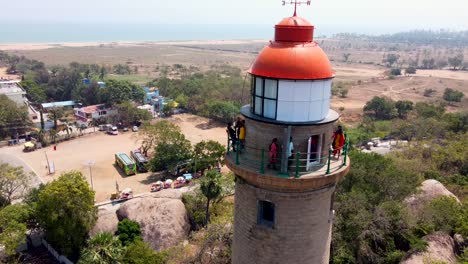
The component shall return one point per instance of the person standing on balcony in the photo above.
(237, 126)
(242, 134)
(273, 153)
(290, 152)
(232, 135)
(338, 141)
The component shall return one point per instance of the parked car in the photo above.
(135, 129)
(125, 129)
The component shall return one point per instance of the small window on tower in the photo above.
(266, 213)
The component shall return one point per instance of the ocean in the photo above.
(14, 32)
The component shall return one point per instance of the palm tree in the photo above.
(94, 123)
(210, 186)
(103, 248)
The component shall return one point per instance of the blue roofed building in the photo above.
(62, 104)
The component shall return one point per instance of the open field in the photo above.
(100, 147)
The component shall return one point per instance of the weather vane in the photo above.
(295, 3)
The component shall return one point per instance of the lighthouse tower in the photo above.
(284, 205)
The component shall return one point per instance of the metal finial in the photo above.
(295, 2)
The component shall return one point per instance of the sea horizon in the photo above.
(52, 32)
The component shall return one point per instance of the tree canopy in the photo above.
(381, 108)
(14, 119)
(208, 154)
(13, 182)
(66, 211)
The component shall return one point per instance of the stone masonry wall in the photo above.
(301, 233)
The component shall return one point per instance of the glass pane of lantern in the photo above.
(271, 88)
(270, 109)
(258, 86)
(258, 105)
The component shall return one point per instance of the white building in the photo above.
(86, 114)
(14, 91)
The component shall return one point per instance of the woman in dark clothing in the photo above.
(232, 135)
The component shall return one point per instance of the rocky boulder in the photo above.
(441, 247)
(428, 191)
(107, 220)
(164, 222)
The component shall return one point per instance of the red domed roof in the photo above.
(293, 54)
(294, 21)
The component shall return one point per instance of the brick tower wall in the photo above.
(301, 233)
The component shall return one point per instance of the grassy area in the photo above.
(133, 78)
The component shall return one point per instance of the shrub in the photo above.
(128, 231)
(395, 72)
(429, 92)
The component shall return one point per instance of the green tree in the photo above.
(346, 56)
(392, 59)
(56, 113)
(403, 108)
(128, 231)
(66, 211)
(427, 110)
(140, 253)
(456, 61)
(117, 92)
(128, 114)
(223, 111)
(13, 182)
(102, 73)
(451, 95)
(103, 248)
(152, 134)
(410, 70)
(371, 223)
(13, 226)
(381, 108)
(208, 154)
(35, 93)
(175, 148)
(395, 71)
(121, 69)
(444, 214)
(210, 186)
(14, 120)
(343, 92)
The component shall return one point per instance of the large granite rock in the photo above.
(107, 220)
(164, 222)
(429, 190)
(441, 248)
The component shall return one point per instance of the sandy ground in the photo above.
(41, 46)
(99, 147)
(4, 75)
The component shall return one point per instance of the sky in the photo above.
(351, 15)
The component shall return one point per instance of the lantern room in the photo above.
(292, 76)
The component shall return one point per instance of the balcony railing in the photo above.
(300, 164)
